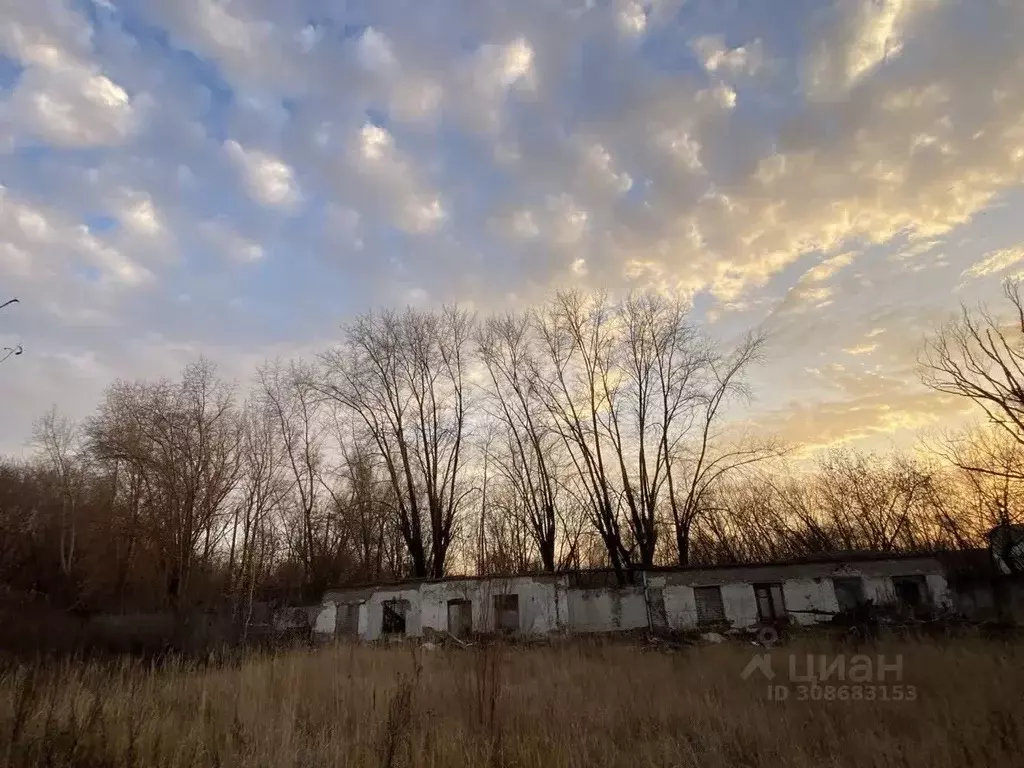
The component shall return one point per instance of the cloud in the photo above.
(222, 239)
(42, 245)
(61, 97)
(717, 57)
(866, 34)
(860, 406)
(268, 180)
(861, 349)
(374, 155)
(344, 155)
(996, 261)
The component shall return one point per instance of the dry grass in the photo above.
(580, 704)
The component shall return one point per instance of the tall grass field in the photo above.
(958, 704)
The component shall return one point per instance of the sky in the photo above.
(236, 178)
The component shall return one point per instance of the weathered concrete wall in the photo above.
(740, 604)
(326, 624)
(607, 610)
(938, 590)
(680, 607)
(375, 612)
(809, 600)
(549, 604)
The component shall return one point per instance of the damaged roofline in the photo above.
(839, 558)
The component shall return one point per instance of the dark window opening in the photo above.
(460, 617)
(393, 620)
(911, 591)
(710, 609)
(506, 613)
(849, 592)
(771, 605)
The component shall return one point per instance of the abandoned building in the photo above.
(803, 592)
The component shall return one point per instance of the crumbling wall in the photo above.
(373, 608)
(544, 604)
(809, 601)
(325, 626)
(740, 604)
(607, 610)
(938, 590)
(680, 607)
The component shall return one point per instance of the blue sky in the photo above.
(237, 177)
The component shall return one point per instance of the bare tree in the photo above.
(871, 502)
(707, 454)
(405, 378)
(363, 501)
(299, 413)
(528, 453)
(984, 484)
(183, 440)
(57, 438)
(651, 406)
(981, 357)
(262, 486)
(577, 341)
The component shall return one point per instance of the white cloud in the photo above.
(632, 17)
(522, 145)
(996, 261)
(375, 52)
(62, 97)
(45, 245)
(502, 66)
(716, 57)
(861, 349)
(414, 207)
(141, 216)
(68, 103)
(268, 180)
(223, 239)
(867, 33)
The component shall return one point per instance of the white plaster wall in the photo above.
(938, 588)
(802, 596)
(537, 607)
(740, 604)
(561, 605)
(375, 613)
(434, 602)
(364, 621)
(879, 589)
(549, 605)
(326, 622)
(606, 610)
(680, 607)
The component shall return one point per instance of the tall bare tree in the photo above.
(980, 356)
(577, 341)
(528, 455)
(300, 415)
(183, 439)
(707, 452)
(651, 401)
(57, 437)
(262, 486)
(404, 375)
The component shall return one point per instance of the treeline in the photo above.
(585, 432)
